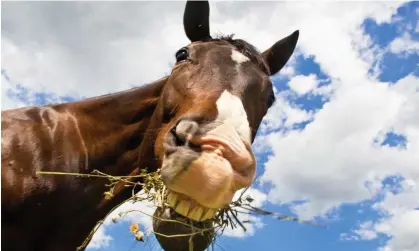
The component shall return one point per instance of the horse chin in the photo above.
(165, 231)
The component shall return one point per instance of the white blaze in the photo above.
(231, 111)
(230, 107)
(238, 57)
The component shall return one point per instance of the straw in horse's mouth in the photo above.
(189, 208)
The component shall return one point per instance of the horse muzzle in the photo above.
(204, 166)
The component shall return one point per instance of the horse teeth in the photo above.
(183, 208)
(209, 214)
(196, 213)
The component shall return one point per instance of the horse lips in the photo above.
(225, 165)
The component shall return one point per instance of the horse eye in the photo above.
(181, 55)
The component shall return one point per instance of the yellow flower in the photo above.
(134, 228)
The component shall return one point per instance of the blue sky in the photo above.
(359, 218)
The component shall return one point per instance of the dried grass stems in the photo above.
(153, 190)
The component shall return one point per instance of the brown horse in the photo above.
(197, 125)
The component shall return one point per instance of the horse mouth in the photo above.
(189, 207)
(203, 172)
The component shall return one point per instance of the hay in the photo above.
(153, 190)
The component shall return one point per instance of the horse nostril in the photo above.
(184, 131)
(179, 141)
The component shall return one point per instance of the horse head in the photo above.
(209, 111)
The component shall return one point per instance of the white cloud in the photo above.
(400, 219)
(7, 101)
(100, 240)
(89, 48)
(365, 231)
(284, 114)
(302, 84)
(404, 44)
(337, 152)
(404, 230)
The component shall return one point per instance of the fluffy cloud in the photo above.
(366, 231)
(339, 140)
(404, 230)
(100, 239)
(8, 102)
(302, 84)
(88, 49)
(400, 219)
(284, 114)
(404, 44)
(401, 211)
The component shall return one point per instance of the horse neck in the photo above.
(112, 127)
(115, 130)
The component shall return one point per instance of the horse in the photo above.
(196, 125)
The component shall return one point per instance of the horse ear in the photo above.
(279, 54)
(196, 20)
